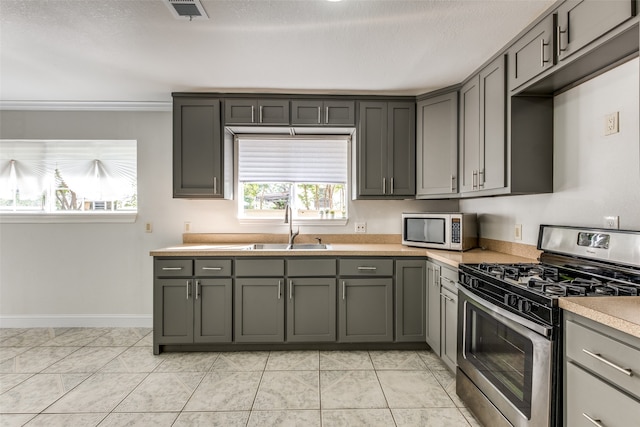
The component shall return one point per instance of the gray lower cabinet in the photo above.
(259, 300)
(172, 312)
(365, 312)
(601, 382)
(386, 150)
(311, 310)
(410, 300)
(213, 308)
(315, 112)
(442, 312)
(199, 160)
(437, 147)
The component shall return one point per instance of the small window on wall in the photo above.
(68, 177)
(307, 173)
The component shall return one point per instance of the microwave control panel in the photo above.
(455, 230)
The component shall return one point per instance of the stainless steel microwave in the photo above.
(450, 231)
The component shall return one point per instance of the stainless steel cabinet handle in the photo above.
(326, 115)
(344, 290)
(188, 288)
(367, 268)
(215, 185)
(261, 114)
(384, 185)
(252, 114)
(475, 180)
(436, 270)
(391, 188)
(481, 179)
(559, 33)
(319, 110)
(171, 268)
(447, 279)
(596, 356)
(279, 288)
(542, 60)
(446, 297)
(290, 289)
(197, 288)
(593, 421)
(453, 184)
(212, 268)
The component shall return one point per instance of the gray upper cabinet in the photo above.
(532, 54)
(198, 152)
(437, 147)
(256, 111)
(411, 277)
(315, 112)
(582, 21)
(386, 150)
(483, 130)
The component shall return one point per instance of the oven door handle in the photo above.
(492, 308)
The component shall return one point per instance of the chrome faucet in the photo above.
(288, 219)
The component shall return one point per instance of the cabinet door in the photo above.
(437, 146)
(469, 135)
(582, 21)
(532, 54)
(373, 150)
(173, 311)
(213, 306)
(197, 148)
(366, 310)
(449, 327)
(339, 113)
(492, 172)
(411, 276)
(311, 310)
(432, 330)
(273, 112)
(306, 112)
(259, 310)
(401, 149)
(240, 111)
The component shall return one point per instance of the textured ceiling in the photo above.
(135, 50)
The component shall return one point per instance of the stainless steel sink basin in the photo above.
(284, 246)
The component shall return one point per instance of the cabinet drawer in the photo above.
(366, 267)
(173, 268)
(449, 278)
(260, 267)
(599, 353)
(311, 267)
(213, 267)
(588, 396)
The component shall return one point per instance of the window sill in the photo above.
(67, 218)
(304, 222)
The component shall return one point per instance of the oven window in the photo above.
(427, 230)
(502, 355)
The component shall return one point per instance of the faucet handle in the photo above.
(319, 240)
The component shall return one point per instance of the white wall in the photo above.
(594, 175)
(101, 274)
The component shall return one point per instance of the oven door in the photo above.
(506, 359)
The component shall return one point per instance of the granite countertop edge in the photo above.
(621, 313)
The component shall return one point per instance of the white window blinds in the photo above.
(295, 159)
(97, 170)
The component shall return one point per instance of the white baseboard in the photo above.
(76, 320)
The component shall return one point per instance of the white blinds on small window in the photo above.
(98, 170)
(297, 159)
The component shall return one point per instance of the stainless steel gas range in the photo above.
(509, 337)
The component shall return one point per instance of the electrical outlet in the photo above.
(187, 227)
(611, 123)
(148, 227)
(517, 232)
(361, 227)
(611, 222)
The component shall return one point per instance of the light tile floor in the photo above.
(110, 377)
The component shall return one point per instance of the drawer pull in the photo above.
(593, 421)
(446, 297)
(212, 268)
(171, 268)
(367, 268)
(608, 363)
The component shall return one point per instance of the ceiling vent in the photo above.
(187, 9)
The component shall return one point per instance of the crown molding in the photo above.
(84, 106)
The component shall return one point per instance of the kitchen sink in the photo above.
(284, 246)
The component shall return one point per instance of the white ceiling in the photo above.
(135, 50)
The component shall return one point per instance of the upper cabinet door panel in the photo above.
(273, 111)
(532, 54)
(402, 148)
(252, 111)
(339, 113)
(306, 112)
(582, 21)
(493, 141)
(314, 112)
(469, 135)
(240, 111)
(372, 149)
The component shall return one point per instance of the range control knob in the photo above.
(511, 300)
(524, 306)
